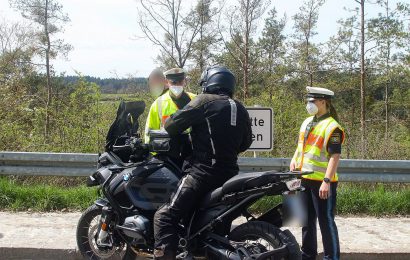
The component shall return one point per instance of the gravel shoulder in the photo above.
(57, 231)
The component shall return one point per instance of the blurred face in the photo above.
(156, 81)
(156, 85)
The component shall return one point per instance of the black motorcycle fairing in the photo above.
(151, 185)
(99, 177)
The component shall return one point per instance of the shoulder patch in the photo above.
(335, 138)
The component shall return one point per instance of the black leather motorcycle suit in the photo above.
(221, 129)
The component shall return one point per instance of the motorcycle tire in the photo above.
(83, 238)
(273, 235)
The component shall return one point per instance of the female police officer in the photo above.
(318, 150)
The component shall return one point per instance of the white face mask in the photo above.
(311, 108)
(157, 90)
(176, 90)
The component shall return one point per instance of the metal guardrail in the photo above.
(75, 164)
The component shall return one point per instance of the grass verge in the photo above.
(353, 199)
(18, 196)
(361, 199)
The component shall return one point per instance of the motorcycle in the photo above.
(134, 183)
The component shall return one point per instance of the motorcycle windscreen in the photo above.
(123, 125)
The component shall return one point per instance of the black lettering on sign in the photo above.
(257, 122)
(258, 137)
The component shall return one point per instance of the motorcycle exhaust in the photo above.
(221, 253)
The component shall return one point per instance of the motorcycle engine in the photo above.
(137, 227)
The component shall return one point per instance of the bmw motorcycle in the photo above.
(133, 183)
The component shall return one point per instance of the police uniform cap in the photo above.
(318, 93)
(175, 74)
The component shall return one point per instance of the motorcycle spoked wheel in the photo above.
(86, 231)
(260, 237)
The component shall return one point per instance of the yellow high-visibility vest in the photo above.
(162, 108)
(312, 154)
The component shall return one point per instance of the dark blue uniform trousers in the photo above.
(324, 211)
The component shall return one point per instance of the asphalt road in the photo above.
(48, 232)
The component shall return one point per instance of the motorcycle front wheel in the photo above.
(260, 237)
(86, 232)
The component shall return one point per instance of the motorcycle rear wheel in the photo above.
(267, 236)
(86, 230)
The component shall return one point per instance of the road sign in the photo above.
(262, 128)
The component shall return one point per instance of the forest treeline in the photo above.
(111, 85)
(366, 62)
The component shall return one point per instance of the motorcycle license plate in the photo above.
(294, 184)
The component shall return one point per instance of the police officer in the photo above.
(319, 147)
(221, 129)
(157, 83)
(167, 104)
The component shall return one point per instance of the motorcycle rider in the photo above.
(221, 129)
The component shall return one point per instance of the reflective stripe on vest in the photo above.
(167, 107)
(312, 153)
(159, 109)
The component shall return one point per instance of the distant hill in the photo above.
(112, 85)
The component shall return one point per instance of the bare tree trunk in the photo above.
(201, 38)
(246, 52)
(362, 82)
(48, 77)
(307, 37)
(386, 99)
(201, 51)
(309, 67)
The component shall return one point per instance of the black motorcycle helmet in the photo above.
(217, 80)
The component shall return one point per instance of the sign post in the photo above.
(262, 128)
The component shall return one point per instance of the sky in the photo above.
(105, 38)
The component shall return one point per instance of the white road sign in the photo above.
(262, 128)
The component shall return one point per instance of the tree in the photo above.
(49, 16)
(242, 26)
(206, 42)
(344, 59)
(273, 50)
(17, 75)
(305, 24)
(389, 34)
(167, 25)
(207, 35)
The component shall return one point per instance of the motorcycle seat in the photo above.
(212, 197)
(244, 181)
